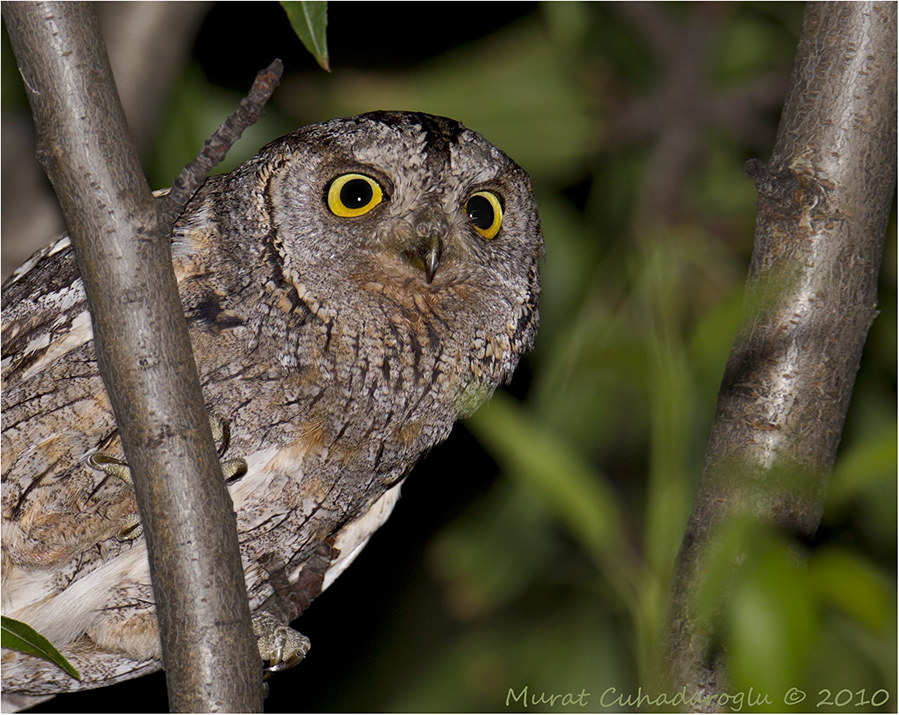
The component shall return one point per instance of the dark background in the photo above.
(492, 574)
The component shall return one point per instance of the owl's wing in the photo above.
(55, 413)
(44, 314)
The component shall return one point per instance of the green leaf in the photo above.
(849, 582)
(310, 21)
(19, 636)
(772, 620)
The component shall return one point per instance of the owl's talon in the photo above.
(279, 645)
(111, 465)
(130, 527)
(221, 432)
(233, 469)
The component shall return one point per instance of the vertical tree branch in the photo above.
(144, 356)
(824, 202)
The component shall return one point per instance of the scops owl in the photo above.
(351, 291)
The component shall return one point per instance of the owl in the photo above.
(350, 292)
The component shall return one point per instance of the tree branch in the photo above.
(143, 352)
(216, 147)
(824, 202)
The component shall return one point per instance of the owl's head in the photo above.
(400, 213)
(411, 200)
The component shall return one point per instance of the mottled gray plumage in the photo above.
(340, 348)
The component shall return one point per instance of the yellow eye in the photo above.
(485, 213)
(353, 195)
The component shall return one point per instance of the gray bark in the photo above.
(144, 355)
(824, 203)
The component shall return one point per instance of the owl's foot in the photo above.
(130, 527)
(232, 469)
(280, 646)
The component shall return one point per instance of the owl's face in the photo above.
(410, 201)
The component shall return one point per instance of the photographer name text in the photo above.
(734, 702)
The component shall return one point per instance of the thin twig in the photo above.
(216, 147)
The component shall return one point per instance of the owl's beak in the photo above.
(427, 250)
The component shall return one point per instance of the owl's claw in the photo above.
(221, 432)
(130, 528)
(232, 469)
(279, 645)
(111, 465)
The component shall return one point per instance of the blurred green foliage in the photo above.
(555, 578)
(559, 573)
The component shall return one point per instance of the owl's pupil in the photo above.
(480, 212)
(356, 193)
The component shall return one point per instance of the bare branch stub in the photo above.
(217, 146)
